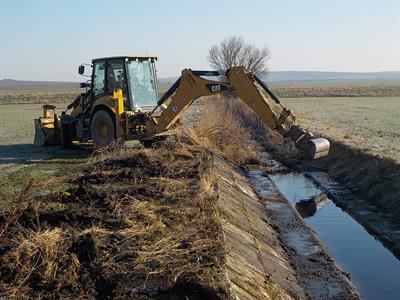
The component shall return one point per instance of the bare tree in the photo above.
(234, 51)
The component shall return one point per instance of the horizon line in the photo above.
(268, 71)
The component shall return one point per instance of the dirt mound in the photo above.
(136, 224)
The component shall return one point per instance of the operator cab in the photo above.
(135, 76)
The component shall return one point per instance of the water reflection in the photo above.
(375, 271)
(309, 207)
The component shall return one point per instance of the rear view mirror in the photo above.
(81, 69)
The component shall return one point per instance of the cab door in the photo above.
(116, 79)
(99, 79)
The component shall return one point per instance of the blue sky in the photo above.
(47, 40)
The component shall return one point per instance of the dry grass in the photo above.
(234, 130)
(136, 223)
(347, 135)
(222, 130)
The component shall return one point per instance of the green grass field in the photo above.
(368, 123)
(20, 160)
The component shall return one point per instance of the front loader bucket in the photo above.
(46, 134)
(47, 129)
(40, 138)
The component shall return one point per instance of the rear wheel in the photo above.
(102, 128)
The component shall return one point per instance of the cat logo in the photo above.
(215, 88)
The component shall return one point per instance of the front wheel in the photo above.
(102, 128)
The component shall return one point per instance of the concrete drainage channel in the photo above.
(271, 253)
(373, 269)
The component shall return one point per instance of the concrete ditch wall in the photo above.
(256, 265)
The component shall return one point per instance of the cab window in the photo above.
(143, 83)
(99, 79)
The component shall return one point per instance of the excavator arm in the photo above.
(249, 88)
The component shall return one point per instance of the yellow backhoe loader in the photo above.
(121, 102)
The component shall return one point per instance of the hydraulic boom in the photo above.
(248, 87)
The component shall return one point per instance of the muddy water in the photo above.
(374, 270)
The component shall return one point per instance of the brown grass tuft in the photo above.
(40, 254)
(221, 129)
(348, 135)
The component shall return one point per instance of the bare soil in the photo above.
(37, 97)
(338, 91)
(132, 223)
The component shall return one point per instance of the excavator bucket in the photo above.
(319, 147)
(309, 147)
(312, 148)
(47, 132)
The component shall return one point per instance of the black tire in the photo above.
(102, 128)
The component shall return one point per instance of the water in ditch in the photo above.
(374, 270)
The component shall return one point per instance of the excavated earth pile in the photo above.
(135, 224)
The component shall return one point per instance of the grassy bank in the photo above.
(370, 124)
(20, 160)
